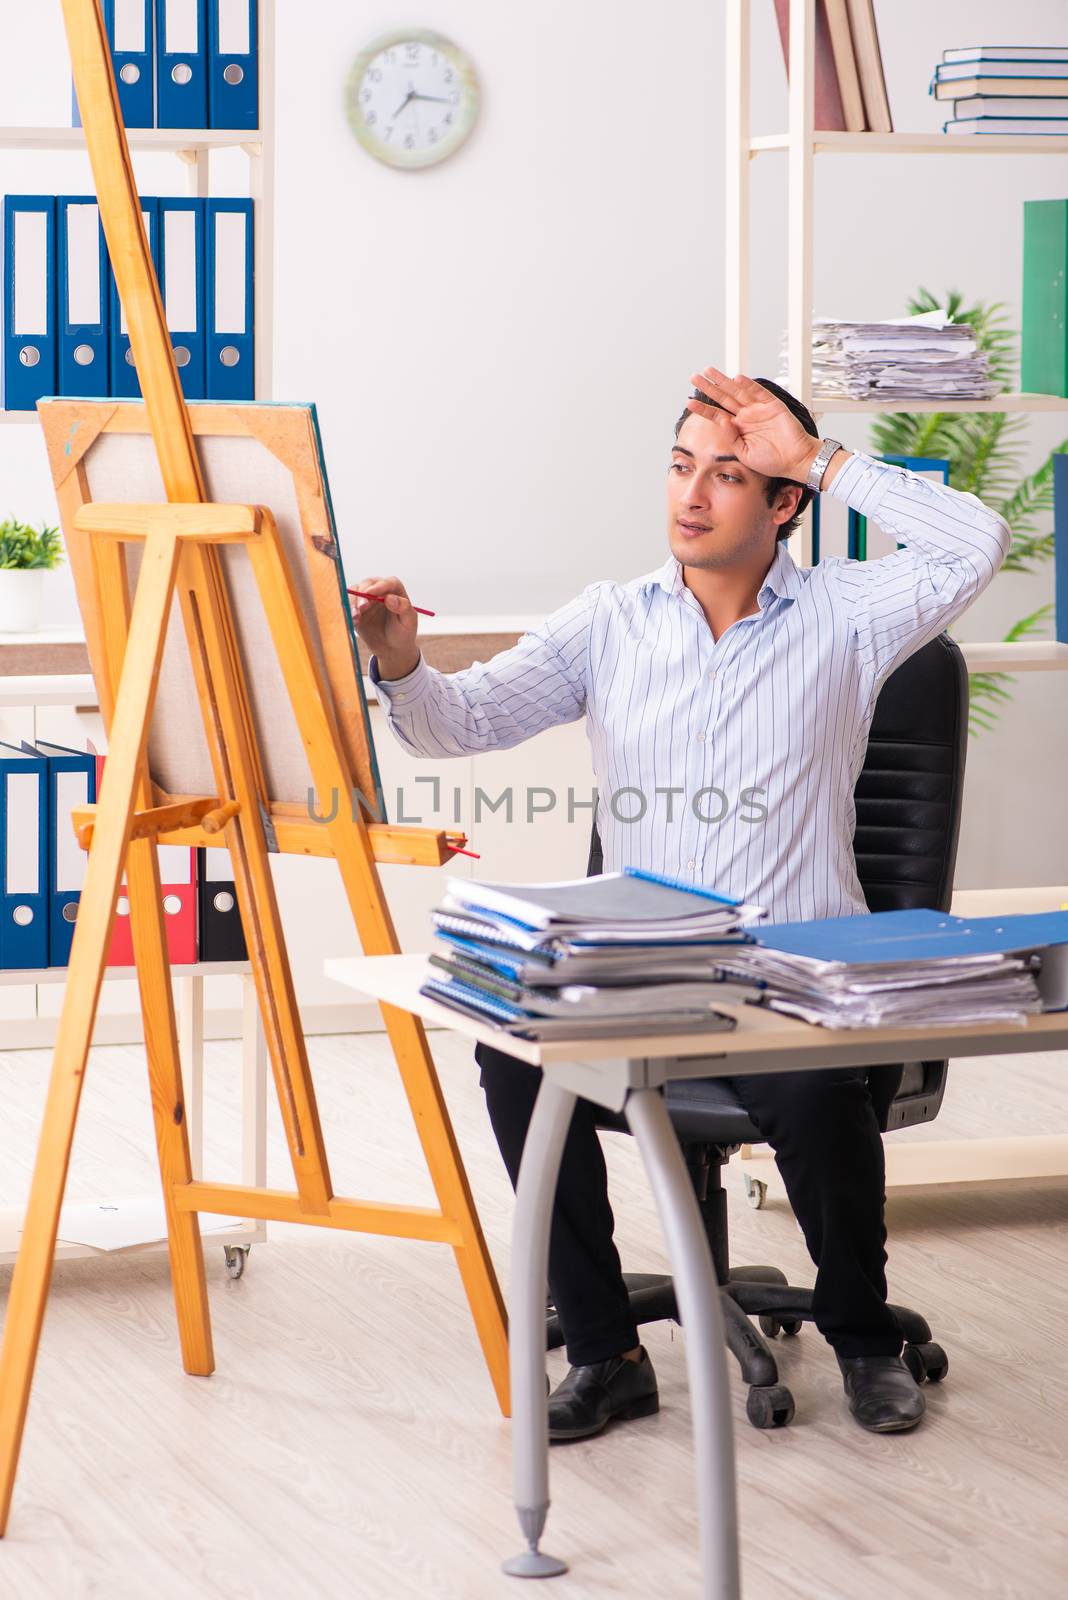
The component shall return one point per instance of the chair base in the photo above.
(764, 1293)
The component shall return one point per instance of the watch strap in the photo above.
(822, 461)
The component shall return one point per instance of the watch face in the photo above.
(412, 98)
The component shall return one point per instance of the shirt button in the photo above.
(690, 865)
(700, 738)
(711, 675)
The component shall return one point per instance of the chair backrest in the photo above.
(908, 803)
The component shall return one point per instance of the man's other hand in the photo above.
(388, 630)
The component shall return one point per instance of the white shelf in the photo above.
(190, 969)
(918, 144)
(18, 416)
(249, 139)
(1000, 402)
(1028, 655)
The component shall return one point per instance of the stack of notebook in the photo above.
(616, 954)
(905, 358)
(1000, 88)
(909, 968)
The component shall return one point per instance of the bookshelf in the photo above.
(801, 143)
(193, 147)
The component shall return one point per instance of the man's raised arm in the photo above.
(953, 545)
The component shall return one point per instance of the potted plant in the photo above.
(984, 454)
(26, 554)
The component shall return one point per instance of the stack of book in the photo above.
(909, 968)
(906, 358)
(1004, 88)
(617, 954)
(850, 89)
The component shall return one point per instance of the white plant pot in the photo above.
(20, 600)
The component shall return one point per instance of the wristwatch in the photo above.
(821, 463)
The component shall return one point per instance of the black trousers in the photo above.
(824, 1131)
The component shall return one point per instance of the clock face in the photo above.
(412, 98)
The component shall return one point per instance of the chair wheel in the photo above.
(769, 1406)
(756, 1192)
(770, 1326)
(926, 1362)
(790, 1327)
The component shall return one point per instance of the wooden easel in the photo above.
(181, 542)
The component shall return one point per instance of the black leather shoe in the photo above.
(882, 1393)
(590, 1397)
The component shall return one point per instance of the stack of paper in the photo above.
(906, 358)
(907, 968)
(614, 954)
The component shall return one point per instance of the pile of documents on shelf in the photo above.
(926, 357)
(909, 968)
(620, 953)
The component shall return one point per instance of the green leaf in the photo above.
(24, 548)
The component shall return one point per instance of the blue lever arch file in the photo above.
(125, 384)
(181, 64)
(71, 782)
(29, 300)
(1060, 545)
(129, 30)
(230, 344)
(23, 859)
(82, 309)
(182, 283)
(233, 64)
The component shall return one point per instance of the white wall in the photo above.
(499, 346)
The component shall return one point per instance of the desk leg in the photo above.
(535, 1193)
(706, 1350)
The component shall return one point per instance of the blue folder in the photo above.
(23, 859)
(82, 297)
(230, 358)
(233, 64)
(71, 781)
(182, 284)
(125, 384)
(29, 365)
(1060, 545)
(911, 936)
(129, 30)
(181, 64)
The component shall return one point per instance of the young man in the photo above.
(732, 693)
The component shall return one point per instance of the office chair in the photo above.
(908, 800)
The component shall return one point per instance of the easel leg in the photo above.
(446, 1167)
(168, 1105)
(33, 1269)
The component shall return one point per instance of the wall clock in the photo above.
(412, 97)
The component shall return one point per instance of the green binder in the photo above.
(1044, 346)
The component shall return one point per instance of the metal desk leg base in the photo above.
(706, 1357)
(535, 1193)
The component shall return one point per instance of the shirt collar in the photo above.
(783, 580)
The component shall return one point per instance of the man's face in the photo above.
(718, 513)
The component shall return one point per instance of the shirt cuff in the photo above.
(406, 691)
(863, 483)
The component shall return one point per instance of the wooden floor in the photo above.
(348, 1447)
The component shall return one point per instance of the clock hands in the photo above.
(408, 98)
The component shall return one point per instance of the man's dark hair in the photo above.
(774, 486)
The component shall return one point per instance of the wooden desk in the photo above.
(626, 1075)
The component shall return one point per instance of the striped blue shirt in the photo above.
(729, 761)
